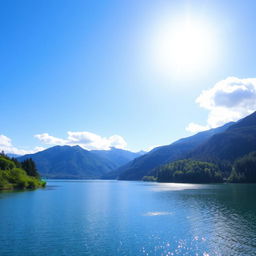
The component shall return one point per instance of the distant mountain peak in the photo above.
(72, 161)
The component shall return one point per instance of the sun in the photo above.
(184, 47)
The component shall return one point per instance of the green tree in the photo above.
(29, 166)
(244, 169)
(14, 177)
(6, 164)
(189, 171)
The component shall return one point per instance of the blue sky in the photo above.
(89, 68)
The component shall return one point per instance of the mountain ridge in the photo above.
(219, 145)
(238, 140)
(222, 145)
(74, 162)
(179, 149)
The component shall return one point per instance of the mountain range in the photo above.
(141, 166)
(219, 145)
(236, 141)
(74, 162)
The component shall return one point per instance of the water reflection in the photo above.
(222, 216)
(129, 218)
(157, 213)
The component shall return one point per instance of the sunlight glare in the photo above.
(184, 47)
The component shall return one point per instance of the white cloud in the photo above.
(7, 146)
(5, 141)
(86, 140)
(117, 141)
(50, 140)
(228, 100)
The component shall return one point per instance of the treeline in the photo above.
(18, 175)
(242, 170)
(188, 171)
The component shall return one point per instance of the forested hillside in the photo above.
(139, 167)
(222, 147)
(16, 175)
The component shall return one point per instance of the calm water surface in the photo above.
(110, 218)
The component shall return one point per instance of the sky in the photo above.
(126, 74)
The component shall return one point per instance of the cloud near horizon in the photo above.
(228, 100)
(7, 146)
(86, 140)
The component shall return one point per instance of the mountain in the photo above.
(117, 156)
(76, 162)
(236, 141)
(70, 162)
(221, 145)
(141, 166)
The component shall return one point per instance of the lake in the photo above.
(109, 218)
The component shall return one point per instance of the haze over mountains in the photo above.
(222, 144)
